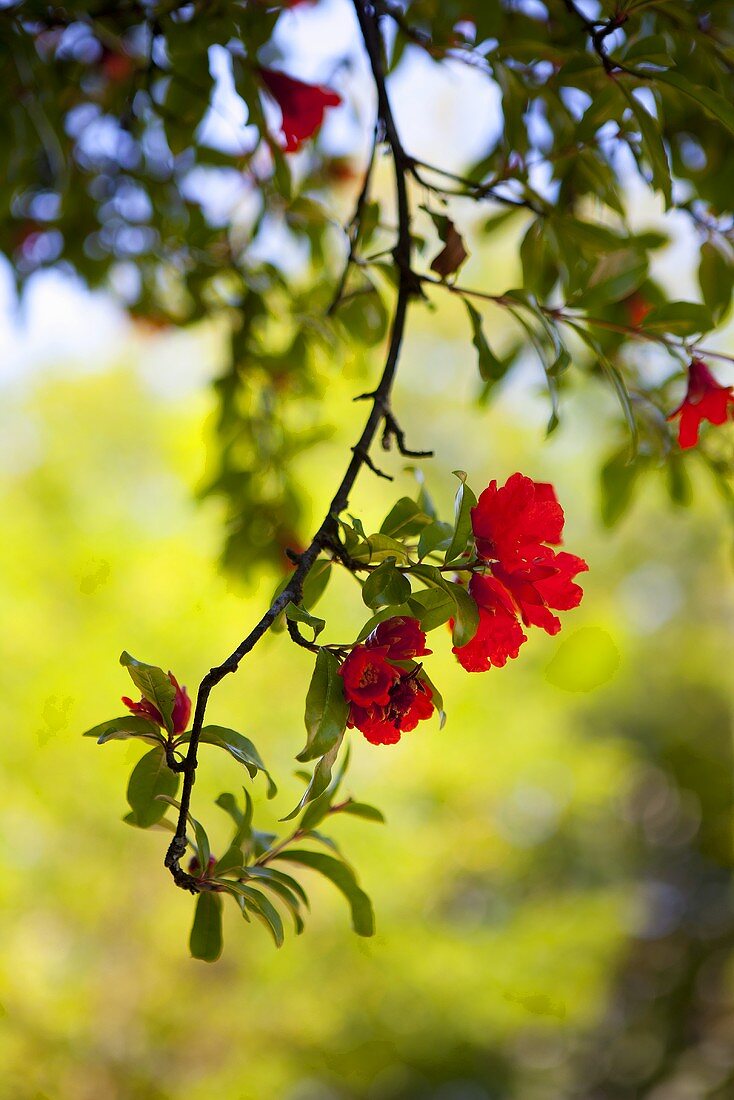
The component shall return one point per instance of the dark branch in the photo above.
(408, 287)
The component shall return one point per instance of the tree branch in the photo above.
(408, 287)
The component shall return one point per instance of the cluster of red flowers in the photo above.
(181, 708)
(525, 580)
(705, 399)
(385, 699)
(302, 105)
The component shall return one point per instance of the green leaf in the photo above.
(153, 685)
(619, 478)
(238, 746)
(299, 615)
(715, 276)
(261, 907)
(271, 874)
(150, 777)
(203, 848)
(378, 547)
(432, 607)
(653, 142)
(232, 860)
(205, 942)
(320, 779)
(615, 377)
(678, 319)
(465, 611)
(712, 102)
(286, 895)
(129, 725)
(242, 821)
(385, 586)
(436, 537)
(316, 582)
(363, 809)
(326, 708)
(463, 535)
(404, 518)
(342, 876)
(491, 369)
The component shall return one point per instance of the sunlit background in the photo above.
(552, 886)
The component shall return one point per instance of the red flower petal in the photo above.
(302, 105)
(498, 637)
(513, 521)
(402, 638)
(545, 583)
(368, 676)
(705, 399)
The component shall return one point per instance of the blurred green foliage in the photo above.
(552, 890)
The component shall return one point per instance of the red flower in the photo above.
(499, 634)
(302, 105)
(546, 583)
(705, 400)
(409, 702)
(401, 637)
(181, 708)
(368, 676)
(512, 523)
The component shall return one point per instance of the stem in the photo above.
(408, 287)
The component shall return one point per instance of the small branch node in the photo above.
(364, 456)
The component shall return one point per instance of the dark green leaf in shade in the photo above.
(326, 708)
(678, 319)
(342, 876)
(320, 779)
(385, 586)
(491, 369)
(205, 942)
(150, 777)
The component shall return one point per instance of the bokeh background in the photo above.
(552, 886)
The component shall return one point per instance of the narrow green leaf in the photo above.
(326, 708)
(129, 725)
(320, 779)
(239, 747)
(678, 319)
(342, 876)
(653, 142)
(262, 907)
(150, 777)
(299, 615)
(463, 535)
(232, 860)
(405, 517)
(715, 277)
(491, 369)
(712, 102)
(205, 942)
(363, 809)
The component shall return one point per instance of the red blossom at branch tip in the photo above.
(368, 676)
(302, 105)
(511, 523)
(499, 634)
(180, 714)
(705, 399)
(410, 702)
(402, 638)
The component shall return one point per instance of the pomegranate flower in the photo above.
(499, 634)
(409, 702)
(512, 522)
(302, 105)
(401, 637)
(705, 399)
(525, 580)
(181, 708)
(368, 676)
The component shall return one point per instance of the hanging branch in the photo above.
(408, 287)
